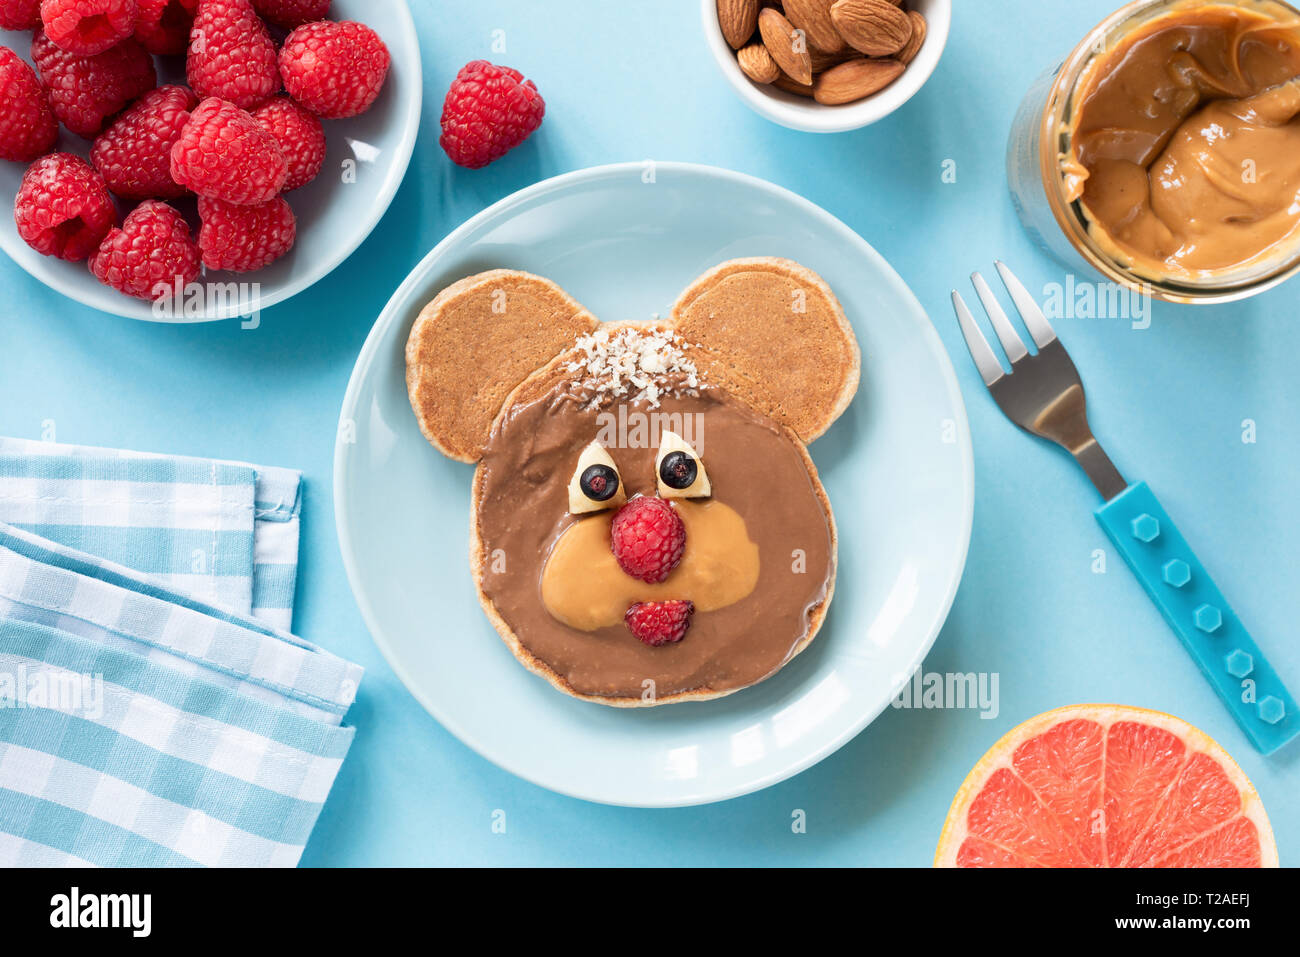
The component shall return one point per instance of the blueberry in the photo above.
(678, 470)
(599, 483)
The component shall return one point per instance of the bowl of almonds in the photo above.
(826, 66)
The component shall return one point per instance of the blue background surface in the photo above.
(634, 82)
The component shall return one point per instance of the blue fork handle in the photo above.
(1198, 613)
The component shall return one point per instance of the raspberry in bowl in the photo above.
(297, 217)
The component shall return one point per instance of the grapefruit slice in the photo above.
(1104, 785)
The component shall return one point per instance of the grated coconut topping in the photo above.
(634, 365)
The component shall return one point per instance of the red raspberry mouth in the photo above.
(659, 623)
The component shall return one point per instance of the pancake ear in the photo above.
(474, 343)
(772, 332)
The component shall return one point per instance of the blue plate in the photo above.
(625, 240)
(367, 159)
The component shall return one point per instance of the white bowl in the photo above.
(802, 113)
(334, 217)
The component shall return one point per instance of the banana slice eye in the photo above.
(595, 484)
(678, 469)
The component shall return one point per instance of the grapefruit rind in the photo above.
(999, 756)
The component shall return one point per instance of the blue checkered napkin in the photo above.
(140, 726)
(223, 532)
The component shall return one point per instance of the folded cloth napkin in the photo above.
(141, 724)
(223, 532)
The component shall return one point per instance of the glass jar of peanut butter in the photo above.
(1165, 151)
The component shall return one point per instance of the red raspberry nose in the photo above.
(648, 538)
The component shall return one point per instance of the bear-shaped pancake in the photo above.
(571, 421)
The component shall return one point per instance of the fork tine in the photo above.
(1035, 321)
(1007, 334)
(985, 361)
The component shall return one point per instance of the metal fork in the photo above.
(1044, 395)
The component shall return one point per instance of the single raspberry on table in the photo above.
(224, 153)
(150, 256)
(87, 90)
(87, 27)
(336, 70)
(231, 54)
(659, 622)
(244, 238)
(20, 14)
(292, 13)
(489, 111)
(301, 138)
(163, 26)
(28, 128)
(63, 208)
(648, 538)
(134, 153)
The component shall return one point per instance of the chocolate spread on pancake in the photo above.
(756, 470)
(1186, 142)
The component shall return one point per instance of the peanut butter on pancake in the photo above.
(583, 587)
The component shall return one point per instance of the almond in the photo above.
(757, 64)
(854, 79)
(875, 27)
(824, 61)
(813, 17)
(919, 29)
(784, 82)
(737, 19)
(788, 46)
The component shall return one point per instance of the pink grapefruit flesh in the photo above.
(1106, 786)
